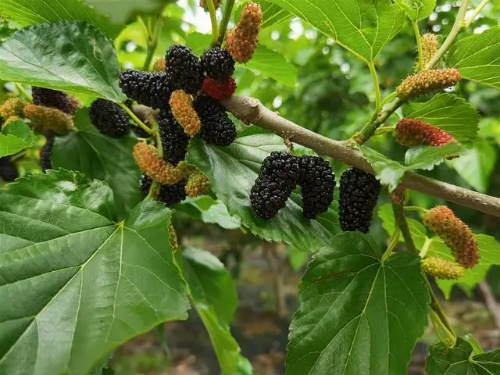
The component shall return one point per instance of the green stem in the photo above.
(403, 226)
(136, 119)
(438, 309)
(478, 10)
(228, 10)
(378, 96)
(388, 98)
(419, 45)
(416, 209)
(156, 132)
(213, 19)
(425, 247)
(23, 92)
(457, 26)
(384, 130)
(392, 245)
(151, 194)
(439, 324)
(152, 41)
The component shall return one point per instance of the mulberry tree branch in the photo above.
(251, 111)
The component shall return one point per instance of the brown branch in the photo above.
(251, 111)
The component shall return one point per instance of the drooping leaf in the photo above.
(33, 12)
(233, 170)
(214, 296)
(477, 57)
(443, 360)
(426, 157)
(69, 55)
(101, 157)
(74, 283)
(357, 315)
(15, 137)
(449, 112)
(417, 9)
(363, 27)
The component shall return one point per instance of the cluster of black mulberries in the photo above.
(173, 138)
(279, 175)
(184, 68)
(8, 170)
(168, 194)
(55, 99)
(150, 89)
(217, 128)
(109, 118)
(359, 192)
(217, 63)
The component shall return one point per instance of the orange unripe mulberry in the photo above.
(242, 41)
(46, 119)
(430, 46)
(442, 269)
(412, 132)
(426, 82)
(181, 104)
(153, 166)
(455, 234)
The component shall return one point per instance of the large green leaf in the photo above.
(233, 170)
(33, 12)
(74, 283)
(124, 10)
(363, 27)
(458, 360)
(449, 112)
(70, 56)
(15, 137)
(210, 211)
(273, 14)
(214, 296)
(101, 157)
(477, 57)
(357, 315)
(417, 9)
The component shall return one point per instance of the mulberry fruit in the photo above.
(217, 63)
(146, 183)
(185, 69)
(172, 194)
(181, 104)
(153, 166)
(430, 46)
(426, 82)
(455, 234)
(150, 89)
(173, 138)
(242, 41)
(109, 118)
(217, 3)
(218, 90)
(216, 126)
(48, 120)
(317, 182)
(8, 170)
(413, 132)
(442, 269)
(278, 177)
(197, 184)
(56, 99)
(46, 154)
(358, 197)
(12, 108)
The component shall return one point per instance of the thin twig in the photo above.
(478, 10)
(418, 39)
(213, 19)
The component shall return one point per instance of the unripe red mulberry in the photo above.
(153, 166)
(442, 269)
(181, 104)
(217, 3)
(45, 119)
(430, 46)
(455, 234)
(12, 108)
(242, 41)
(412, 132)
(218, 90)
(426, 82)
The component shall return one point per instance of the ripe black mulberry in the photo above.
(278, 177)
(146, 183)
(217, 63)
(173, 138)
(150, 89)
(109, 118)
(185, 69)
(46, 154)
(8, 170)
(55, 99)
(216, 126)
(358, 197)
(172, 194)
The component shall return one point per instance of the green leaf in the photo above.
(476, 57)
(460, 360)
(211, 211)
(476, 166)
(274, 15)
(125, 10)
(214, 296)
(272, 64)
(69, 56)
(449, 112)
(33, 12)
(233, 170)
(417, 229)
(363, 27)
(198, 42)
(101, 157)
(76, 284)
(15, 137)
(391, 173)
(417, 9)
(357, 315)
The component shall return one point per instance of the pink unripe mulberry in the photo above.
(218, 90)
(181, 104)
(153, 166)
(455, 234)
(412, 132)
(242, 41)
(442, 269)
(426, 82)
